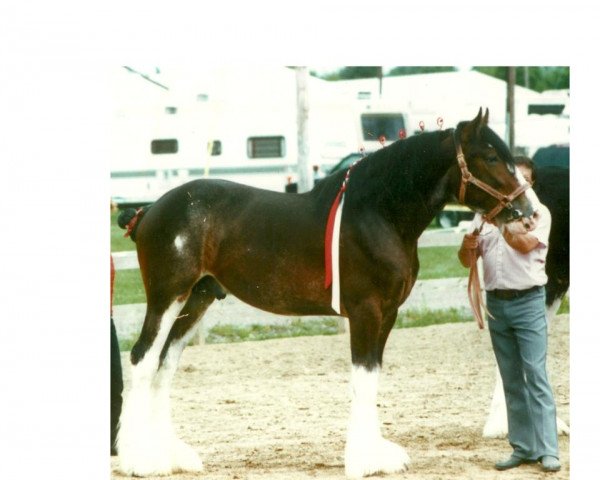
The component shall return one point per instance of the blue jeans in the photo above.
(519, 336)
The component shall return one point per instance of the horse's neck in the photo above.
(428, 183)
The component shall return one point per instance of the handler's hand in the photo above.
(470, 241)
(516, 228)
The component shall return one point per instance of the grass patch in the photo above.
(118, 243)
(440, 262)
(126, 344)
(128, 287)
(425, 317)
(297, 328)
(565, 305)
(328, 326)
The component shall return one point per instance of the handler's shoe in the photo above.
(512, 462)
(550, 464)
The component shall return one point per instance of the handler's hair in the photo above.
(529, 163)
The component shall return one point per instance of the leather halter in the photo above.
(504, 201)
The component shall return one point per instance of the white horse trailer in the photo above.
(242, 128)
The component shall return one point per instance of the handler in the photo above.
(116, 372)
(514, 278)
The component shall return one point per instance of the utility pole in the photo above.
(305, 174)
(510, 107)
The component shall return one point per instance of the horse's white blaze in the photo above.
(146, 442)
(367, 452)
(179, 242)
(529, 193)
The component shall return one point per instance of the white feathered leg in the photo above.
(496, 425)
(367, 452)
(183, 457)
(144, 438)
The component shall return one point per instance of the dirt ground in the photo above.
(278, 409)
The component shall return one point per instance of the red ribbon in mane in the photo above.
(330, 225)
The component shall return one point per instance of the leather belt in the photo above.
(511, 294)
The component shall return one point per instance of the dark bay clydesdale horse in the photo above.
(209, 237)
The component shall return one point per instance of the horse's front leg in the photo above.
(367, 452)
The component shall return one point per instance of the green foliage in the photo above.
(538, 78)
(535, 78)
(351, 73)
(396, 71)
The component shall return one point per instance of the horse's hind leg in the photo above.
(140, 443)
(183, 457)
(147, 444)
(367, 452)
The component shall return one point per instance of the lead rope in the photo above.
(474, 287)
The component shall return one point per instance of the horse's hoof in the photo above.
(378, 456)
(185, 458)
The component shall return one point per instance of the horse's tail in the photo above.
(129, 219)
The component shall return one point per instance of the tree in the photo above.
(396, 71)
(352, 73)
(536, 78)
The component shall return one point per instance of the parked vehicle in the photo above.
(552, 156)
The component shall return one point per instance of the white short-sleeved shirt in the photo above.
(506, 268)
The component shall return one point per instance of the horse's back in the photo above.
(252, 241)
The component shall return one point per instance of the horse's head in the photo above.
(490, 183)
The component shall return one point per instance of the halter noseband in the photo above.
(504, 201)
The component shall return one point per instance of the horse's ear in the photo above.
(473, 128)
(486, 117)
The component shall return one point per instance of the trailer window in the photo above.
(215, 148)
(159, 147)
(266, 147)
(389, 125)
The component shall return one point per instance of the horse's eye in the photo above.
(491, 158)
